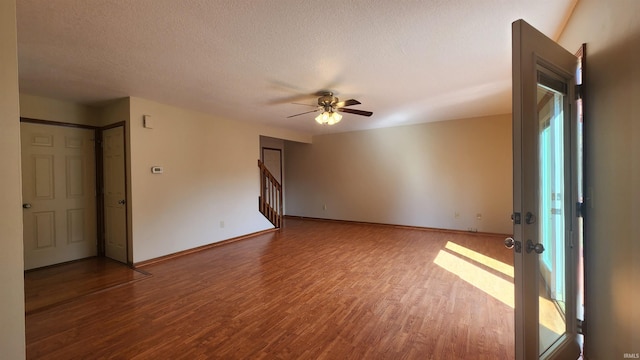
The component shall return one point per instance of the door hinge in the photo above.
(581, 327)
(579, 209)
(579, 91)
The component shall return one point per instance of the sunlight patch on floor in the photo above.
(481, 258)
(550, 318)
(492, 284)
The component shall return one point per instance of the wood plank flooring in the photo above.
(54, 285)
(313, 290)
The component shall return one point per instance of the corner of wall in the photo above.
(12, 331)
(44, 108)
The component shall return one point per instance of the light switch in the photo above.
(147, 122)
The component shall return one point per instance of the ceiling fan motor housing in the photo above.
(328, 101)
(329, 104)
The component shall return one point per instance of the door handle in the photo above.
(538, 248)
(26, 206)
(509, 243)
(122, 202)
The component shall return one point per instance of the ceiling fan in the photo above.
(330, 105)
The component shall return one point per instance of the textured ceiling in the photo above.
(407, 61)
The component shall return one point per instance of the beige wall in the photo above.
(41, 108)
(419, 175)
(210, 177)
(211, 174)
(12, 342)
(270, 142)
(611, 30)
(113, 112)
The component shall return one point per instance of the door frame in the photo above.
(581, 54)
(100, 226)
(98, 162)
(101, 229)
(530, 55)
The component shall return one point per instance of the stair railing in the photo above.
(270, 200)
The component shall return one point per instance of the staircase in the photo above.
(270, 200)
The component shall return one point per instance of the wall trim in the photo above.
(411, 227)
(57, 123)
(178, 254)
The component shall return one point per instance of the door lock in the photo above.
(530, 218)
(122, 202)
(515, 217)
(26, 206)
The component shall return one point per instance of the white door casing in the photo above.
(59, 194)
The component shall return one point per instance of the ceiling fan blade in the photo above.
(290, 99)
(354, 111)
(306, 112)
(314, 105)
(349, 102)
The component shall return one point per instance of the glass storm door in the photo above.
(545, 187)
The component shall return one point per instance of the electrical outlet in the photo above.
(324, 207)
(456, 215)
(479, 216)
(221, 224)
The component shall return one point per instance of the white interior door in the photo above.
(59, 194)
(545, 188)
(115, 195)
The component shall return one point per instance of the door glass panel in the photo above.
(551, 205)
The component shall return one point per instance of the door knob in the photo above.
(122, 202)
(509, 243)
(26, 206)
(538, 248)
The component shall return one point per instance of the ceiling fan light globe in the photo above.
(328, 118)
(322, 118)
(334, 118)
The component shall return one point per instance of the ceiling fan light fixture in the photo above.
(322, 118)
(328, 118)
(336, 118)
(329, 106)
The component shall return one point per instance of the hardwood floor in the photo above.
(54, 285)
(313, 290)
